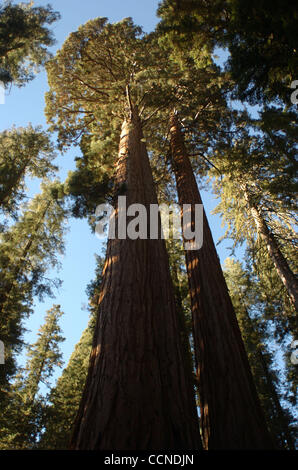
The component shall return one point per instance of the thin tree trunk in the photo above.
(137, 394)
(231, 415)
(283, 269)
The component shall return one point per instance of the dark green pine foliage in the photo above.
(24, 152)
(28, 249)
(24, 40)
(277, 130)
(91, 183)
(64, 399)
(21, 423)
(250, 305)
(261, 37)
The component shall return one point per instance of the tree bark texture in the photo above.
(137, 394)
(231, 415)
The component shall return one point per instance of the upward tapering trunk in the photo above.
(231, 416)
(282, 267)
(137, 394)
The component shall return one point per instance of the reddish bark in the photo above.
(138, 394)
(231, 416)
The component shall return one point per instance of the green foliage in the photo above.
(24, 39)
(191, 25)
(89, 78)
(64, 398)
(92, 182)
(27, 250)
(24, 152)
(261, 37)
(20, 422)
(250, 303)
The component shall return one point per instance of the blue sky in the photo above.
(26, 105)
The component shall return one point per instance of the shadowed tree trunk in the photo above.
(137, 394)
(231, 416)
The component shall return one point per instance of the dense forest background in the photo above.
(181, 348)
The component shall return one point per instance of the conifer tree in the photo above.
(224, 377)
(24, 152)
(98, 80)
(263, 212)
(202, 97)
(250, 307)
(64, 398)
(260, 36)
(27, 250)
(21, 419)
(24, 39)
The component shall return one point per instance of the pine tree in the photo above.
(24, 39)
(262, 212)
(260, 36)
(24, 152)
(281, 265)
(64, 398)
(21, 420)
(125, 405)
(250, 308)
(27, 250)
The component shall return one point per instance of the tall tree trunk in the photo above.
(231, 415)
(283, 269)
(137, 394)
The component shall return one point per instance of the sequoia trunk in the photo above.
(137, 394)
(231, 416)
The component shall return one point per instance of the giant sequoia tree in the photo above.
(137, 394)
(224, 378)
